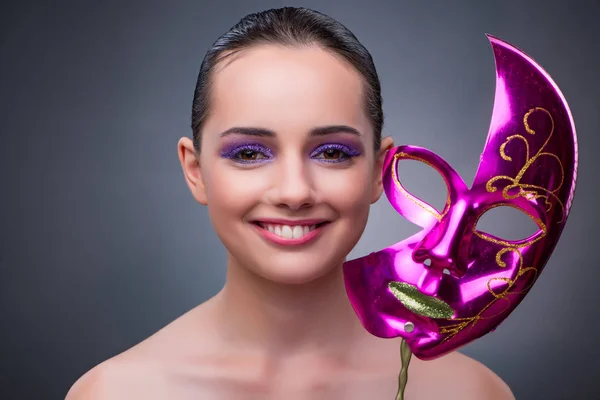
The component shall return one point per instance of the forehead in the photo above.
(287, 87)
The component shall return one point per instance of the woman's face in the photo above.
(287, 166)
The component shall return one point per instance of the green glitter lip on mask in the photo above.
(419, 303)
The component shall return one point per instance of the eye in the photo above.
(508, 223)
(334, 152)
(247, 153)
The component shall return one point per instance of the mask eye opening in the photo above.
(412, 172)
(509, 224)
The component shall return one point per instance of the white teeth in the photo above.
(289, 231)
(297, 232)
(286, 232)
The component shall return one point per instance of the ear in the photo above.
(190, 164)
(387, 143)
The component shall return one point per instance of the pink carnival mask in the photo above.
(450, 283)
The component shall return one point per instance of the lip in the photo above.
(271, 237)
(279, 221)
(420, 303)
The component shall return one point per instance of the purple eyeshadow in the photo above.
(349, 151)
(231, 151)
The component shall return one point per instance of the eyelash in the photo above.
(234, 154)
(348, 152)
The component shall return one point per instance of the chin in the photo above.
(295, 272)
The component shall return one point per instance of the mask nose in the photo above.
(443, 248)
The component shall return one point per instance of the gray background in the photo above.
(101, 243)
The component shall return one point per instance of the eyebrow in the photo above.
(319, 131)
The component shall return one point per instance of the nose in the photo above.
(443, 249)
(294, 187)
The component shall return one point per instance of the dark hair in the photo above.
(289, 26)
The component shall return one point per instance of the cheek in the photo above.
(231, 192)
(349, 191)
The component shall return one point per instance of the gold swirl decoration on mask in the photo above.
(530, 192)
(462, 323)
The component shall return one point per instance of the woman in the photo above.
(287, 155)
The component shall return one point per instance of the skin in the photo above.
(282, 326)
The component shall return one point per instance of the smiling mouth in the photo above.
(291, 230)
(419, 303)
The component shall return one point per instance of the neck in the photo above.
(281, 319)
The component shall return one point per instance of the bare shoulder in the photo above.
(464, 378)
(145, 370)
(117, 378)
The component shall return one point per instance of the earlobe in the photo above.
(190, 164)
(387, 143)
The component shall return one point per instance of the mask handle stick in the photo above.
(405, 355)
